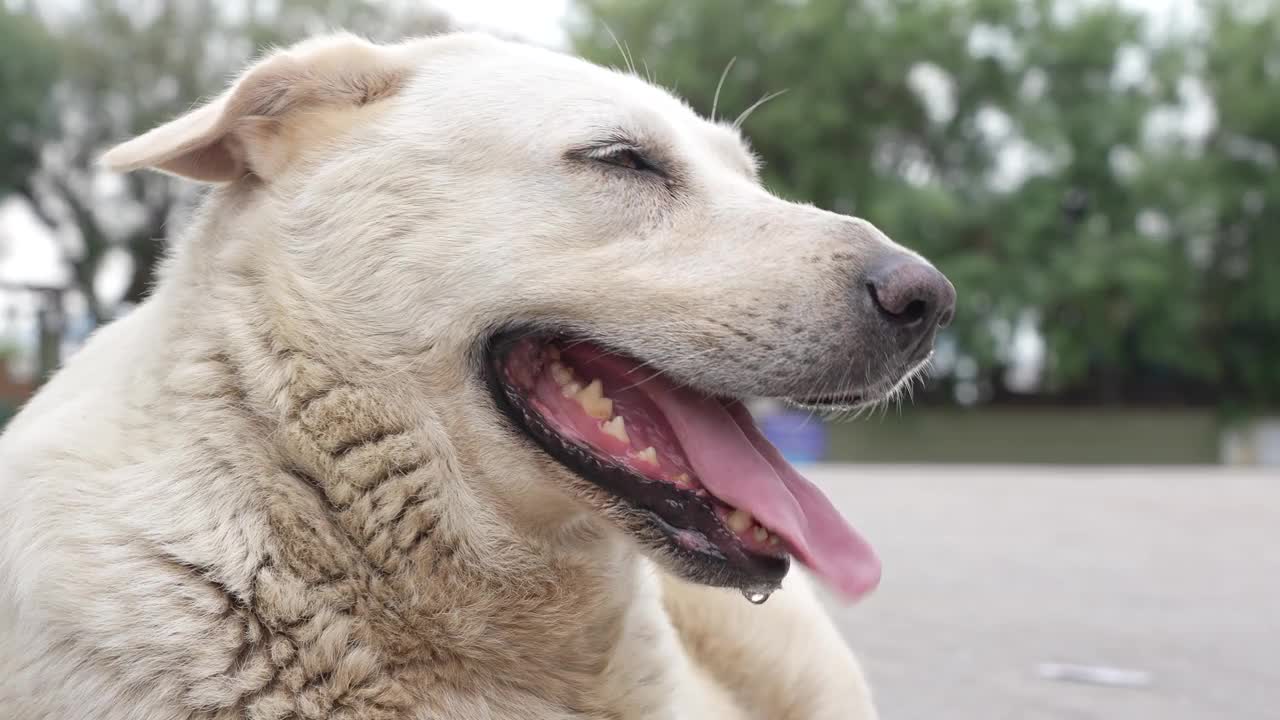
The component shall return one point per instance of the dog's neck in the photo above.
(376, 515)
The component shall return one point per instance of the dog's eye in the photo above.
(627, 158)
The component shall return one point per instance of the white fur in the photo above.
(278, 488)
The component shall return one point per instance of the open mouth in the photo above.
(693, 466)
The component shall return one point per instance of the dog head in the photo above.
(583, 273)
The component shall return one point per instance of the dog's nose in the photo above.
(911, 294)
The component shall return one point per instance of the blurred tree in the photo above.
(1228, 207)
(128, 66)
(27, 69)
(1024, 145)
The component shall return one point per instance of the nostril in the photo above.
(895, 311)
(914, 312)
(910, 293)
(946, 317)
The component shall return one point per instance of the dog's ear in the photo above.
(256, 126)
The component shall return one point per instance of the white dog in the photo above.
(450, 355)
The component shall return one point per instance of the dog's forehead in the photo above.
(563, 97)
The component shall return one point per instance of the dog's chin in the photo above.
(691, 555)
(583, 406)
(869, 397)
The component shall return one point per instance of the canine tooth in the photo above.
(571, 390)
(739, 521)
(562, 375)
(648, 455)
(601, 409)
(682, 479)
(760, 534)
(594, 389)
(592, 399)
(773, 540)
(616, 427)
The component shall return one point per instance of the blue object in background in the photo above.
(800, 436)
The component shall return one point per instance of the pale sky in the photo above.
(537, 20)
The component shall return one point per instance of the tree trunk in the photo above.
(51, 324)
(146, 254)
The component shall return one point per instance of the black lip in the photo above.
(652, 509)
(830, 401)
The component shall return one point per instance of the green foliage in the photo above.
(1033, 172)
(1232, 199)
(28, 66)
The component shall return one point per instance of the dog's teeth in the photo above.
(773, 540)
(561, 374)
(571, 390)
(648, 455)
(592, 400)
(601, 409)
(682, 479)
(739, 521)
(760, 534)
(617, 428)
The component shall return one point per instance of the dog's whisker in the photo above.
(631, 63)
(618, 44)
(755, 106)
(715, 100)
(641, 382)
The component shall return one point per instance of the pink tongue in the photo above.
(742, 468)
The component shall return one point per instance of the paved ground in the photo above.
(991, 571)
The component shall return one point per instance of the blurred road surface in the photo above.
(990, 572)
